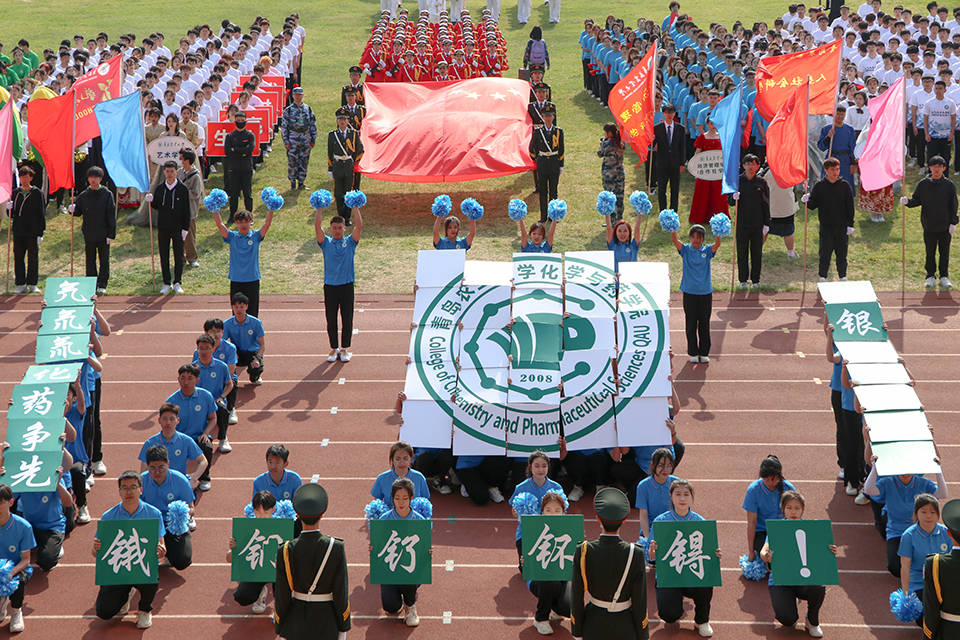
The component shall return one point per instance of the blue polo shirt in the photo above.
(284, 491)
(836, 383)
(43, 510)
(384, 482)
(644, 455)
(194, 411)
(623, 252)
(214, 377)
(764, 503)
(244, 255)
(245, 336)
(846, 399)
(175, 487)
(671, 516)
(180, 450)
(144, 512)
(447, 243)
(898, 498)
(696, 278)
(543, 247)
(225, 352)
(654, 497)
(76, 448)
(529, 486)
(917, 544)
(16, 537)
(392, 515)
(338, 260)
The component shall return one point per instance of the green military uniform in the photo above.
(311, 590)
(610, 576)
(941, 584)
(546, 149)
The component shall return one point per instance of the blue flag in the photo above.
(726, 118)
(124, 147)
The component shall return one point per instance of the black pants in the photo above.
(670, 603)
(893, 556)
(356, 180)
(16, 599)
(920, 147)
(26, 260)
(940, 147)
(696, 311)
(248, 592)
(628, 475)
(852, 447)
(164, 239)
(96, 450)
(937, 241)
(669, 176)
(784, 600)
(489, 473)
(49, 544)
(223, 421)
(179, 550)
(342, 184)
(833, 240)
(586, 74)
(94, 251)
(252, 291)
(879, 518)
(339, 298)
(552, 595)
(207, 449)
(836, 402)
(435, 463)
(246, 359)
(78, 479)
(111, 599)
(235, 183)
(547, 182)
(749, 240)
(394, 596)
(759, 537)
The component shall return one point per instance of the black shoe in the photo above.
(230, 220)
(347, 223)
(293, 186)
(302, 186)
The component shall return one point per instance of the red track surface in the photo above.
(764, 391)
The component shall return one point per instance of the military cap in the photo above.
(310, 500)
(409, 52)
(342, 112)
(297, 90)
(552, 110)
(349, 90)
(951, 515)
(536, 67)
(442, 63)
(355, 69)
(610, 503)
(541, 86)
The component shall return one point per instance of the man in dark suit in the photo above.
(670, 158)
(941, 583)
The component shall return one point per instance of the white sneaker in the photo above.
(495, 494)
(945, 282)
(165, 289)
(21, 289)
(814, 630)
(576, 493)
(195, 263)
(99, 469)
(704, 358)
(126, 605)
(880, 218)
(742, 285)
(192, 524)
(257, 382)
(177, 288)
(822, 279)
(204, 485)
(543, 627)
(16, 621)
(410, 617)
(862, 499)
(345, 356)
(233, 416)
(225, 446)
(333, 356)
(90, 482)
(444, 489)
(35, 289)
(705, 630)
(144, 620)
(843, 279)
(930, 282)
(83, 515)
(851, 490)
(792, 255)
(101, 291)
(694, 360)
(261, 604)
(840, 475)
(463, 491)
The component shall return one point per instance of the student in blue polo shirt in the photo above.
(697, 287)
(161, 486)
(245, 255)
(215, 377)
(226, 352)
(536, 484)
(183, 453)
(401, 457)
(246, 333)
(393, 597)
(44, 510)
(540, 239)
(255, 593)
(762, 502)
(622, 241)
(926, 537)
(451, 238)
(277, 479)
(338, 256)
(198, 415)
(114, 600)
(653, 492)
(74, 412)
(16, 541)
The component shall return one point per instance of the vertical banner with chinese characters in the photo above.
(860, 321)
(69, 292)
(687, 554)
(632, 103)
(548, 544)
(779, 76)
(801, 552)
(254, 559)
(400, 552)
(128, 551)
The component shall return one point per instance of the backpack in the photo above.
(537, 51)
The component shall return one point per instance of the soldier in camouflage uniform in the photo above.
(298, 128)
(611, 171)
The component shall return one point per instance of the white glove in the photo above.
(330, 173)
(109, 240)
(849, 231)
(183, 234)
(766, 229)
(736, 196)
(71, 208)
(904, 200)
(952, 228)
(561, 169)
(804, 198)
(39, 240)
(9, 205)
(148, 197)
(342, 635)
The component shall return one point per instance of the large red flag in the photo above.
(446, 132)
(51, 134)
(787, 139)
(778, 76)
(95, 86)
(632, 103)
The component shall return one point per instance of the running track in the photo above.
(765, 391)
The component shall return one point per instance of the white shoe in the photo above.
(880, 218)
(814, 630)
(851, 490)
(495, 494)
(233, 416)
(99, 469)
(257, 382)
(843, 279)
(704, 358)
(83, 515)
(705, 630)
(333, 356)
(862, 499)
(204, 485)
(840, 475)
(463, 491)
(177, 288)
(576, 493)
(21, 289)
(444, 489)
(101, 291)
(192, 524)
(694, 360)
(126, 605)
(543, 627)
(930, 282)
(90, 482)
(822, 279)
(742, 285)
(35, 289)
(261, 604)
(144, 620)
(345, 356)
(225, 446)
(16, 621)
(165, 289)
(792, 255)
(410, 617)
(945, 282)
(195, 263)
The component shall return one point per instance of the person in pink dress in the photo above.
(707, 199)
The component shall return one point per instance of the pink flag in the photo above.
(6, 151)
(881, 163)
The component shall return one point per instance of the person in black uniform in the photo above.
(343, 150)
(311, 590)
(29, 224)
(238, 164)
(356, 73)
(670, 156)
(171, 210)
(357, 113)
(835, 211)
(536, 105)
(536, 78)
(941, 583)
(610, 575)
(753, 220)
(546, 148)
(96, 206)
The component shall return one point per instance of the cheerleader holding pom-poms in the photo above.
(537, 484)
(264, 505)
(553, 596)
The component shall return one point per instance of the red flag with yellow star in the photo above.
(779, 76)
(100, 84)
(632, 103)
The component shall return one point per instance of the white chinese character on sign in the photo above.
(63, 348)
(253, 551)
(67, 321)
(679, 556)
(125, 552)
(396, 547)
(33, 436)
(70, 288)
(38, 402)
(54, 374)
(550, 548)
(858, 322)
(28, 474)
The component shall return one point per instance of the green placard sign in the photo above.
(31, 472)
(47, 373)
(687, 554)
(69, 292)
(32, 436)
(254, 559)
(68, 347)
(856, 321)
(60, 320)
(128, 551)
(400, 552)
(548, 544)
(37, 401)
(801, 552)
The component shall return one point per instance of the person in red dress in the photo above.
(707, 196)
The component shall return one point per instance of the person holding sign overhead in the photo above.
(941, 583)
(16, 541)
(254, 594)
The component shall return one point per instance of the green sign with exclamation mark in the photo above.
(801, 552)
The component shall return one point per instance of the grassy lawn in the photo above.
(397, 218)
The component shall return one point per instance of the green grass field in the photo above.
(397, 218)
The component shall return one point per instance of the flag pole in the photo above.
(6, 286)
(73, 190)
(805, 217)
(153, 251)
(836, 100)
(903, 215)
(733, 263)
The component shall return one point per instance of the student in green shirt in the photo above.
(19, 67)
(30, 57)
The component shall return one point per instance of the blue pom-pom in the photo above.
(375, 509)
(8, 584)
(472, 209)
(640, 202)
(248, 511)
(645, 544)
(177, 518)
(525, 504)
(720, 225)
(320, 199)
(907, 608)
(422, 506)
(557, 210)
(217, 199)
(517, 209)
(756, 570)
(442, 206)
(669, 220)
(606, 203)
(272, 199)
(355, 199)
(284, 509)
